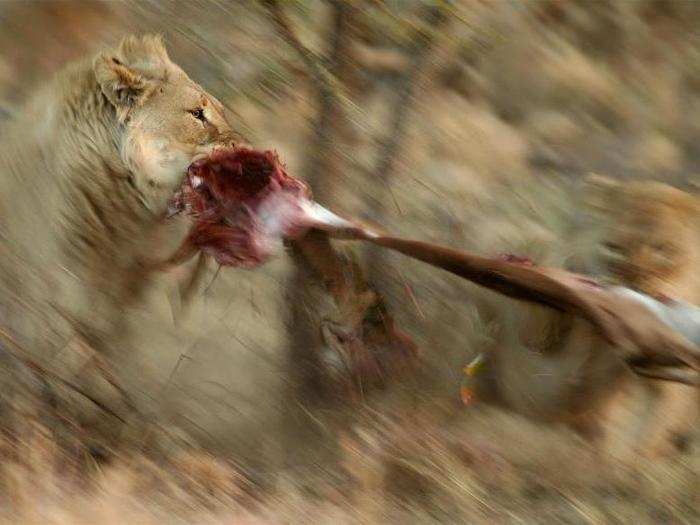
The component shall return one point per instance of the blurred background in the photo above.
(470, 123)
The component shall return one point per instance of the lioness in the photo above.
(86, 172)
(554, 367)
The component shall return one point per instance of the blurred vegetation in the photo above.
(471, 127)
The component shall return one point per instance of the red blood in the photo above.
(664, 299)
(589, 282)
(235, 175)
(243, 203)
(516, 259)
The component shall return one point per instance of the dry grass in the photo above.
(425, 467)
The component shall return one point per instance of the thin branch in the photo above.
(426, 51)
(326, 75)
(285, 30)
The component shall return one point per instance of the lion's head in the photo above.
(166, 120)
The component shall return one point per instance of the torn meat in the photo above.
(243, 204)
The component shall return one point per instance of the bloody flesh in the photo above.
(243, 203)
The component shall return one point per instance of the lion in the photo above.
(554, 367)
(87, 169)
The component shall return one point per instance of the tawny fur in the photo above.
(553, 367)
(86, 172)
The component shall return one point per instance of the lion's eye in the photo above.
(198, 114)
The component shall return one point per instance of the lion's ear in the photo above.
(129, 74)
(123, 86)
